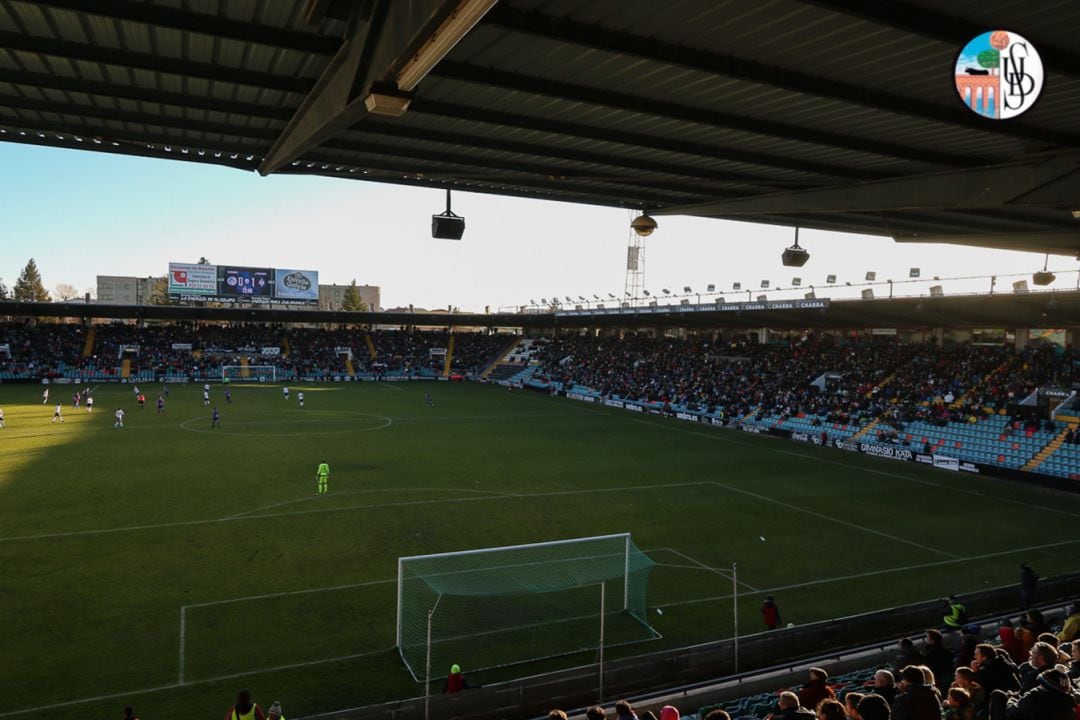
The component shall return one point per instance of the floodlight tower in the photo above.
(641, 226)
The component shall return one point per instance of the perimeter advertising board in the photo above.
(233, 283)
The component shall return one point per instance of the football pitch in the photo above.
(170, 563)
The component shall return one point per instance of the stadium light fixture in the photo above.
(1044, 277)
(568, 299)
(595, 296)
(643, 225)
(442, 41)
(796, 281)
(736, 286)
(764, 284)
(613, 297)
(686, 289)
(913, 273)
(646, 293)
(795, 256)
(447, 225)
(830, 279)
(871, 276)
(581, 298)
(710, 288)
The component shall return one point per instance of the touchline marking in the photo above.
(348, 508)
(363, 492)
(872, 573)
(202, 681)
(723, 573)
(823, 516)
(870, 470)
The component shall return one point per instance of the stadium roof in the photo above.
(1041, 310)
(832, 114)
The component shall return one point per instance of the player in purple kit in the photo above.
(160, 405)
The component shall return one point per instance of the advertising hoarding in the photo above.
(296, 284)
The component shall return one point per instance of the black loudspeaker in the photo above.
(1043, 278)
(447, 227)
(794, 256)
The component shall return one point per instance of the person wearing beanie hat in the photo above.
(455, 681)
(873, 707)
(1053, 698)
(669, 712)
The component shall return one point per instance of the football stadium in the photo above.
(251, 487)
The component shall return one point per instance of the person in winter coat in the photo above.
(993, 669)
(1053, 698)
(816, 689)
(915, 700)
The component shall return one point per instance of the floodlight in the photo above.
(1044, 277)
(581, 298)
(595, 296)
(795, 256)
(643, 225)
(447, 225)
(764, 284)
(736, 286)
(666, 291)
(796, 282)
(913, 273)
(871, 276)
(646, 293)
(611, 296)
(710, 288)
(532, 302)
(830, 279)
(568, 299)
(686, 289)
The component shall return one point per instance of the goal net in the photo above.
(249, 373)
(500, 606)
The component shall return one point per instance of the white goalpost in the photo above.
(249, 373)
(501, 606)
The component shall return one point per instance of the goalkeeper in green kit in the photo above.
(323, 475)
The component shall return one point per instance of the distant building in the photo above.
(124, 290)
(330, 296)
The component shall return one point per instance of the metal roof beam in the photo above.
(480, 142)
(464, 72)
(568, 31)
(141, 94)
(1055, 243)
(148, 61)
(928, 23)
(641, 140)
(180, 123)
(512, 171)
(992, 187)
(202, 23)
(383, 37)
(434, 176)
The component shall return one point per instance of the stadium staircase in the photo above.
(370, 345)
(866, 428)
(285, 348)
(449, 356)
(500, 358)
(125, 368)
(245, 371)
(1048, 450)
(349, 367)
(88, 346)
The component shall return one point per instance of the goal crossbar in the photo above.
(249, 372)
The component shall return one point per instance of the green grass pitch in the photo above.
(108, 538)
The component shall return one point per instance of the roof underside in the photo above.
(832, 114)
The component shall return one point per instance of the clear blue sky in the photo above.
(83, 214)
